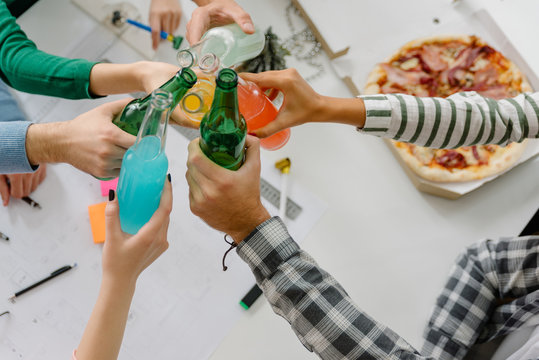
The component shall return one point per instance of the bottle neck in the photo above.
(226, 100)
(155, 121)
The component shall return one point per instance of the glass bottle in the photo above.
(258, 111)
(223, 129)
(144, 166)
(130, 119)
(197, 101)
(229, 43)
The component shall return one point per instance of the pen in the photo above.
(284, 167)
(251, 297)
(54, 274)
(4, 236)
(4, 313)
(31, 202)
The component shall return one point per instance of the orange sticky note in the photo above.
(97, 221)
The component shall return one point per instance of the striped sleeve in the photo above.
(462, 119)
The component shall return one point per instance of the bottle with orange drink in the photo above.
(258, 111)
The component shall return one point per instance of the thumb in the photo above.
(112, 217)
(252, 153)
(278, 124)
(114, 107)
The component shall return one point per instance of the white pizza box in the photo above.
(457, 189)
(370, 33)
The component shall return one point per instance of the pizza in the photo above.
(440, 66)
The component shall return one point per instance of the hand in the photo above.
(164, 15)
(302, 104)
(21, 185)
(126, 256)
(227, 200)
(216, 13)
(90, 142)
(153, 75)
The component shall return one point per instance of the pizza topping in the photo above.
(451, 159)
(431, 58)
(410, 64)
(401, 77)
(494, 92)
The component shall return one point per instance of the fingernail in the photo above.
(169, 177)
(252, 134)
(111, 195)
(248, 26)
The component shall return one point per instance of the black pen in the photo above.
(4, 236)
(31, 202)
(251, 297)
(4, 313)
(54, 274)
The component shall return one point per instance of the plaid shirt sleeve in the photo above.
(492, 289)
(320, 311)
(462, 119)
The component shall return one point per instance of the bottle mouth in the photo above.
(185, 58)
(209, 63)
(192, 103)
(227, 79)
(161, 99)
(188, 76)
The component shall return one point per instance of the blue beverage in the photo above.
(142, 177)
(144, 166)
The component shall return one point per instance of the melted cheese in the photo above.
(423, 154)
(409, 64)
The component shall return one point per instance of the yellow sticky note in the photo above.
(97, 221)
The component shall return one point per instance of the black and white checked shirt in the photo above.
(328, 322)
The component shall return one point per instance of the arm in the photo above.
(492, 290)
(25, 68)
(90, 142)
(320, 311)
(460, 120)
(211, 13)
(124, 258)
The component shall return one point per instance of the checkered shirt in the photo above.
(329, 323)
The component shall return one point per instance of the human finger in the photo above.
(16, 186)
(197, 26)
(252, 153)
(4, 190)
(113, 228)
(242, 19)
(155, 24)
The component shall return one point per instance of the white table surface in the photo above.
(389, 245)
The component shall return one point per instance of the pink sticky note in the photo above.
(108, 185)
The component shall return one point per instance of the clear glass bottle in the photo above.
(229, 43)
(145, 165)
(223, 129)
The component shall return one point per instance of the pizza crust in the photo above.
(503, 159)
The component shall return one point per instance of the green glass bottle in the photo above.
(223, 129)
(130, 119)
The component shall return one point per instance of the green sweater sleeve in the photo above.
(25, 68)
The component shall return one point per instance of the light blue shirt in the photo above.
(13, 128)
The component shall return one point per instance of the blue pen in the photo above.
(175, 40)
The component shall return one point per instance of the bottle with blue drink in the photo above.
(145, 165)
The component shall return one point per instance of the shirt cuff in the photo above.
(378, 113)
(13, 148)
(267, 247)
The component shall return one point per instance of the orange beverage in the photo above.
(198, 100)
(259, 111)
